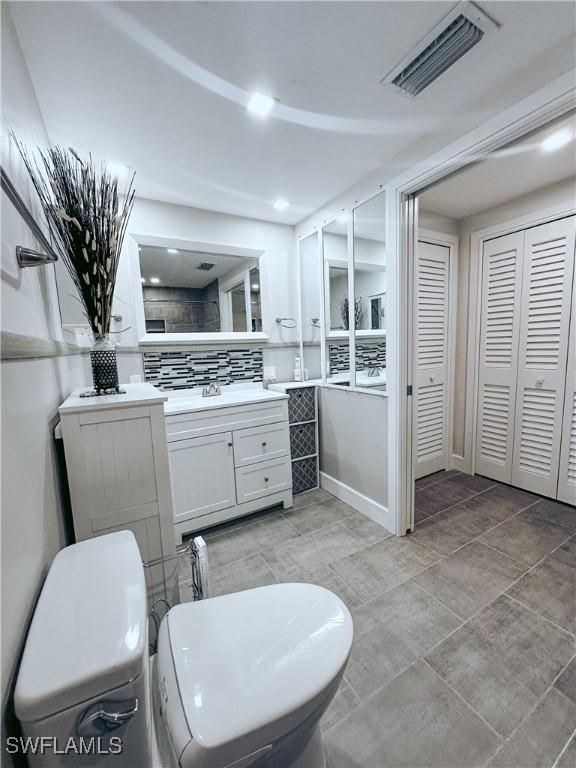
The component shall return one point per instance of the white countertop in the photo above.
(135, 394)
(362, 380)
(189, 400)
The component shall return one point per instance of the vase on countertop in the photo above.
(104, 365)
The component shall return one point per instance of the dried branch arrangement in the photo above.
(87, 222)
(358, 312)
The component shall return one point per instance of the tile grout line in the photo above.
(564, 749)
(500, 736)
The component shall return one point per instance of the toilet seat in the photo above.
(252, 666)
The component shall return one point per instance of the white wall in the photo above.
(32, 519)
(353, 441)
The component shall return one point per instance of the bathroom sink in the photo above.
(185, 401)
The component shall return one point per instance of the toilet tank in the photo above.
(83, 679)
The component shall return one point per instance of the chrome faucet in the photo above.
(211, 390)
(374, 370)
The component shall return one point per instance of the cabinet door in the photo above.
(500, 324)
(567, 474)
(202, 475)
(431, 359)
(546, 299)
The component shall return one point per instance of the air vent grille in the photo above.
(444, 51)
(205, 266)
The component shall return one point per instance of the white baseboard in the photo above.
(460, 463)
(367, 506)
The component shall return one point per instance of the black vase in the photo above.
(104, 366)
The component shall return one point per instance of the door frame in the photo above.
(477, 240)
(452, 242)
(551, 102)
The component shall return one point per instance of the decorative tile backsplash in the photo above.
(368, 354)
(184, 369)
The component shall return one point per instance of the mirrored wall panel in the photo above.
(336, 302)
(369, 228)
(193, 292)
(310, 302)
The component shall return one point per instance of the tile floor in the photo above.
(465, 630)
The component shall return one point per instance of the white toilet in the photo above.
(240, 680)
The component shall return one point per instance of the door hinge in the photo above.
(409, 390)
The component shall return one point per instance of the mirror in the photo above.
(335, 251)
(310, 303)
(369, 227)
(187, 291)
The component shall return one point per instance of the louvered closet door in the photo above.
(546, 300)
(567, 473)
(498, 364)
(431, 359)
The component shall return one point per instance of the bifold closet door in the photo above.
(498, 363)
(548, 265)
(431, 357)
(567, 473)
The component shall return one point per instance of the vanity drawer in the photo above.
(261, 444)
(183, 426)
(263, 479)
(302, 404)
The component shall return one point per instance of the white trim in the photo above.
(547, 103)
(459, 463)
(452, 242)
(376, 512)
(477, 240)
(192, 339)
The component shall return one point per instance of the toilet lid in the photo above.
(248, 659)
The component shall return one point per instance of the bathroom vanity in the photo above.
(229, 454)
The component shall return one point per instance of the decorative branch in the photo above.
(86, 221)
(358, 312)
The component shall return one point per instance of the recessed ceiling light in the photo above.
(281, 205)
(155, 280)
(556, 140)
(172, 250)
(143, 280)
(260, 105)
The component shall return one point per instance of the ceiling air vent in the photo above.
(205, 266)
(460, 31)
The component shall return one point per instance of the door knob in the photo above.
(431, 379)
(539, 382)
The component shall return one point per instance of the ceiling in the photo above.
(161, 87)
(180, 270)
(513, 171)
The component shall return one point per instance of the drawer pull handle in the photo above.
(264, 445)
(266, 479)
(230, 445)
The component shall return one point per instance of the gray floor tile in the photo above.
(384, 565)
(502, 661)
(393, 631)
(343, 702)
(553, 512)
(541, 737)
(527, 540)
(470, 578)
(311, 497)
(419, 515)
(564, 559)
(567, 681)
(318, 515)
(424, 482)
(447, 531)
(241, 574)
(318, 548)
(568, 757)
(545, 590)
(439, 496)
(249, 539)
(369, 531)
(415, 721)
(500, 503)
(473, 482)
(288, 570)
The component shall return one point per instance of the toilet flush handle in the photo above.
(106, 716)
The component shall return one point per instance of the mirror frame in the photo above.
(187, 339)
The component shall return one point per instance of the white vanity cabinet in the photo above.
(228, 461)
(119, 477)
